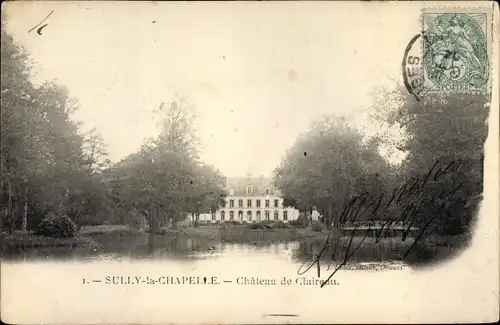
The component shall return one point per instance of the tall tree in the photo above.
(327, 166)
(207, 191)
(177, 122)
(165, 180)
(42, 155)
(440, 132)
(95, 153)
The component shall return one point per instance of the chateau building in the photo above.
(252, 199)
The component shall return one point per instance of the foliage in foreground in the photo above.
(48, 163)
(327, 166)
(437, 185)
(56, 226)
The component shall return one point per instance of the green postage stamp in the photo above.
(456, 51)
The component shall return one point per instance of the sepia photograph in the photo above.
(262, 162)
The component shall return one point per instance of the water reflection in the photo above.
(123, 247)
(365, 250)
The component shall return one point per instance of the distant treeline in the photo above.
(49, 165)
(437, 184)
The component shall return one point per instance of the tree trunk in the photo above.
(3, 212)
(24, 220)
(173, 225)
(10, 209)
(196, 219)
(2, 188)
(328, 221)
(327, 216)
(154, 224)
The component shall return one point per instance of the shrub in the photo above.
(318, 226)
(280, 224)
(56, 226)
(259, 226)
(301, 222)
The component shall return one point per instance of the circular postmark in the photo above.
(412, 68)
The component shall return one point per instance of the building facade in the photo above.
(252, 200)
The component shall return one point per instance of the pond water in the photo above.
(253, 280)
(127, 247)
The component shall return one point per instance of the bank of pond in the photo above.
(122, 240)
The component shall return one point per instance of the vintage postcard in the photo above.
(249, 162)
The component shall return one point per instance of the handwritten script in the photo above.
(39, 30)
(411, 215)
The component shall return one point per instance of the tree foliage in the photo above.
(327, 166)
(438, 182)
(49, 165)
(45, 165)
(442, 132)
(165, 180)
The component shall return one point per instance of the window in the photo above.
(276, 215)
(257, 203)
(267, 203)
(231, 215)
(258, 215)
(222, 215)
(223, 203)
(249, 203)
(285, 215)
(231, 203)
(267, 215)
(240, 215)
(213, 215)
(249, 215)
(249, 190)
(268, 191)
(276, 203)
(240, 203)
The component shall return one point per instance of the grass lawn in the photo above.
(241, 234)
(103, 229)
(226, 233)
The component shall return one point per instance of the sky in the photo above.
(258, 73)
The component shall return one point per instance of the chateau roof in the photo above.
(238, 186)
